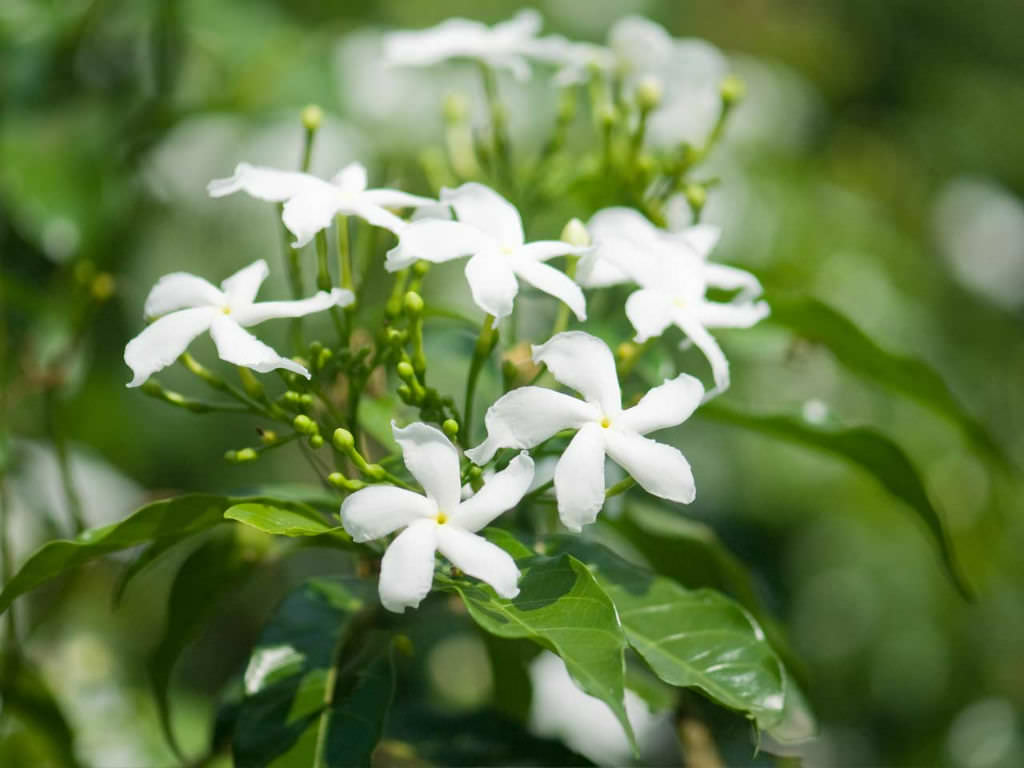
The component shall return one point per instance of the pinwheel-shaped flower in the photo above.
(187, 305)
(506, 45)
(674, 274)
(310, 203)
(489, 229)
(437, 522)
(528, 416)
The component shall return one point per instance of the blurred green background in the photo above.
(877, 164)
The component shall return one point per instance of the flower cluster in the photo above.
(671, 272)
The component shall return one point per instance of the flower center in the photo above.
(441, 517)
(606, 422)
(226, 310)
(681, 303)
(507, 250)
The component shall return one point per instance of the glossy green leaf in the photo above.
(317, 689)
(865, 447)
(178, 517)
(561, 607)
(293, 520)
(854, 349)
(690, 638)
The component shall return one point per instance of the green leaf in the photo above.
(820, 323)
(560, 607)
(690, 638)
(294, 520)
(865, 447)
(177, 517)
(215, 569)
(314, 695)
(26, 699)
(146, 558)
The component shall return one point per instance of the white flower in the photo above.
(506, 45)
(674, 274)
(310, 203)
(187, 305)
(489, 229)
(528, 416)
(438, 522)
(576, 60)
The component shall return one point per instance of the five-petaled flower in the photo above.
(506, 45)
(674, 274)
(490, 231)
(187, 305)
(528, 416)
(310, 203)
(437, 522)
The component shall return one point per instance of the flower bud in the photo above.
(243, 455)
(696, 196)
(648, 93)
(455, 107)
(102, 286)
(420, 268)
(305, 399)
(395, 336)
(268, 436)
(343, 440)
(575, 233)
(305, 425)
(312, 116)
(450, 427)
(404, 392)
(732, 90)
(316, 441)
(338, 480)
(413, 303)
(405, 370)
(375, 471)
(291, 396)
(608, 115)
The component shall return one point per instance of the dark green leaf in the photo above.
(817, 322)
(293, 520)
(694, 639)
(314, 696)
(24, 697)
(561, 607)
(863, 446)
(146, 558)
(512, 688)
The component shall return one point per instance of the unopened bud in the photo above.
(608, 115)
(626, 351)
(420, 268)
(312, 116)
(450, 427)
(732, 90)
(305, 425)
(291, 396)
(575, 233)
(696, 196)
(405, 370)
(316, 441)
(648, 93)
(343, 440)
(306, 399)
(268, 436)
(395, 336)
(243, 455)
(102, 286)
(455, 107)
(405, 393)
(413, 303)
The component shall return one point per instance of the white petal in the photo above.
(528, 416)
(553, 283)
(737, 315)
(585, 363)
(374, 214)
(701, 239)
(378, 510)
(731, 279)
(596, 271)
(433, 461)
(309, 213)
(542, 250)
(163, 341)
(180, 290)
(650, 312)
(435, 240)
(238, 346)
(663, 406)
(351, 179)
(241, 288)
(266, 183)
(395, 198)
(521, 27)
(453, 37)
(407, 568)
(501, 492)
(623, 223)
(579, 478)
(488, 211)
(515, 64)
(266, 310)
(476, 556)
(492, 283)
(660, 469)
(705, 342)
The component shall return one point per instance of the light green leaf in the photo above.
(690, 638)
(820, 323)
(293, 520)
(561, 607)
(863, 446)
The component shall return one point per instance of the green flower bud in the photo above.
(338, 480)
(696, 195)
(323, 357)
(268, 436)
(305, 425)
(450, 428)
(455, 107)
(312, 117)
(575, 233)
(405, 371)
(343, 440)
(316, 441)
(306, 399)
(733, 90)
(102, 286)
(648, 93)
(405, 393)
(291, 396)
(413, 303)
(375, 471)
(608, 115)
(243, 455)
(420, 268)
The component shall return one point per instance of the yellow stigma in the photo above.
(679, 303)
(605, 422)
(441, 518)
(226, 310)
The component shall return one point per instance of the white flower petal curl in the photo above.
(584, 363)
(236, 345)
(395, 198)
(666, 405)
(242, 287)
(650, 313)
(433, 461)
(731, 279)
(492, 283)
(733, 315)
(407, 568)
(352, 179)
(266, 183)
(306, 214)
(374, 214)
(254, 314)
(659, 468)
(479, 558)
(500, 493)
(164, 340)
(579, 478)
(488, 211)
(690, 324)
(554, 283)
(378, 510)
(528, 416)
(180, 290)
(434, 240)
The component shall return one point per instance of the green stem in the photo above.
(323, 282)
(345, 271)
(60, 447)
(215, 382)
(499, 134)
(562, 318)
(292, 256)
(484, 345)
(620, 487)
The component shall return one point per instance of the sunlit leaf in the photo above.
(285, 521)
